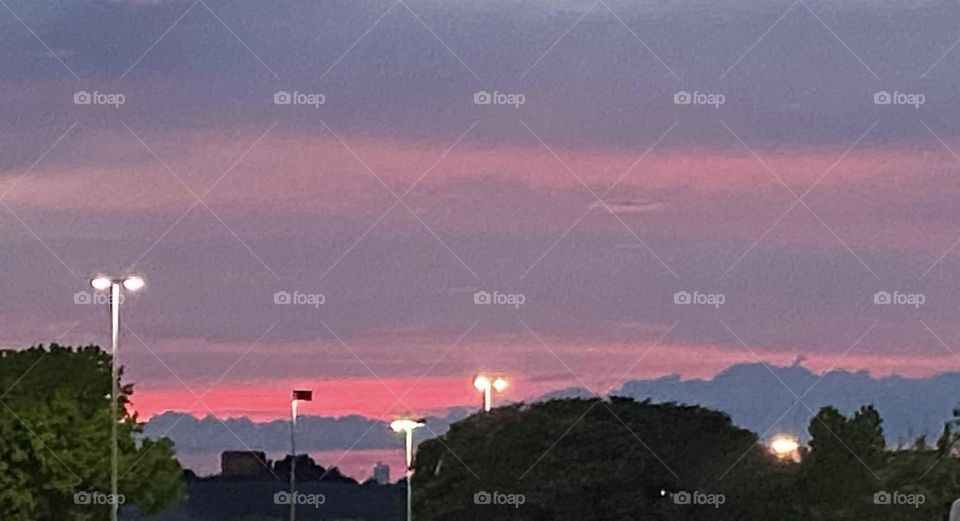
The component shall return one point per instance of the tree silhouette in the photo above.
(625, 460)
(583, 459)
(309, 470)
(55, 440)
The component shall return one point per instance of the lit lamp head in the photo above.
(483, 383)
(784, 447)
(131, 283)
(101, 283)
(406, 425)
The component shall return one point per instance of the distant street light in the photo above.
(116, 286)
(407, 426)
(298, 395)
(785, 447)
(488, 384)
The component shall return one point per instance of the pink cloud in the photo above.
(865, 198)
(601, 368)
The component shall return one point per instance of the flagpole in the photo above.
(293, 460)
(305, 395)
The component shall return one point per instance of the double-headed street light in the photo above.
(488, 384)
(407, 426)
(116, 285)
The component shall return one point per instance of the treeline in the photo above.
(593, 460)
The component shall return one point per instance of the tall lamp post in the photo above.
(407, 426)
(298, 395)
(488, 384)
(116, 285)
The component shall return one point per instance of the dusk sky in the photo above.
(794, 199)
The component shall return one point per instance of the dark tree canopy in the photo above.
(55, 439)
(583, 459)
(308, 470)
(622, 460)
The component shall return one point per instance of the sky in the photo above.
(538, 152)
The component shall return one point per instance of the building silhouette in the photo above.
(381, 473)
(243, 463)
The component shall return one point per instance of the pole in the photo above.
(293, 460)
(114, 399)
(487, 399)
(409, 474)
(409, 497)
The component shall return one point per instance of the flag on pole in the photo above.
(303, 395)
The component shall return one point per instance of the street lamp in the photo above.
(407, 426)
(298, 395)
(116, 286)
(488, 384)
